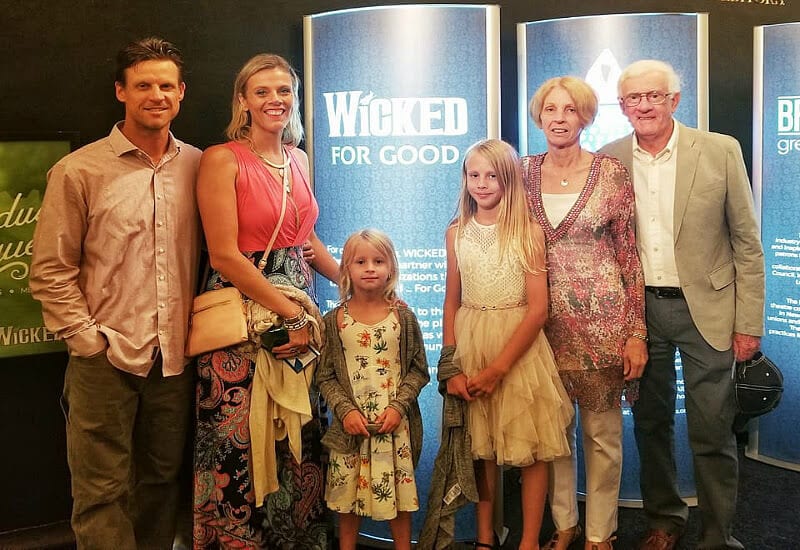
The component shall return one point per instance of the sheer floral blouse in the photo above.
(595, 279)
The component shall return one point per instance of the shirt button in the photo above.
(160, 250)
(161, 277)
(159, 224)
(159, 197)
(162, 305)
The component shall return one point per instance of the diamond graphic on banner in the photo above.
(610, 123)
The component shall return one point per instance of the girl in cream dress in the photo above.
(495, 307)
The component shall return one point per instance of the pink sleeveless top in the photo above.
(258, 201)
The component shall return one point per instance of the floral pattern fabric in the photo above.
(595, 280)
(378, 480)
(225, 515)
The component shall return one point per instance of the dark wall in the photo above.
(33, 459)
(58, 57)
(56, 73)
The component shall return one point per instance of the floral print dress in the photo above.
(378, 481)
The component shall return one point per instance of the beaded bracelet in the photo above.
(301, 313)
(640, 335)
(296, 325)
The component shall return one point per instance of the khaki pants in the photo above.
(125, 442)
(602, 452)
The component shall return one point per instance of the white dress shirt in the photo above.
(654, 186)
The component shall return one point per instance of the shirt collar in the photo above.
(122, 145)
(666, 152)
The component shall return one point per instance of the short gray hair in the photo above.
(644, 66)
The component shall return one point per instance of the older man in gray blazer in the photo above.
(703, 262)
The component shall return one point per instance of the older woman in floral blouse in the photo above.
(584, 203)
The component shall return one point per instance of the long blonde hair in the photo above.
(514, 220)
(382, 244)
(239, 127)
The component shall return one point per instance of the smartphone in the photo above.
(373, 428)
(276, 336)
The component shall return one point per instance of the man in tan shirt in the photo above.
(114, 266)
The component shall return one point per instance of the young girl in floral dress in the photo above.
(372, 369)
(495, 307)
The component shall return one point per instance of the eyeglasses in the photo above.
(654, 98)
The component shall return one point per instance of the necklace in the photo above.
(563, 182)
(281, 168)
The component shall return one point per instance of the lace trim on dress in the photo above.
(484, 236)
(481, 266)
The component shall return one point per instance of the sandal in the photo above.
(475, 544)
(561, 540)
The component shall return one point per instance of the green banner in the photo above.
(23, 171)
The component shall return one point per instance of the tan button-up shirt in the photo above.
(115, 252)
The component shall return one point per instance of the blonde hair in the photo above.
(582, 95)
(382, 244)
(514, 221)
(239, 127)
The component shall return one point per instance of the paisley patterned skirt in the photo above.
(225, 516)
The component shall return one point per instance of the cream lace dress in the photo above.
(525, 419)
(378, 481)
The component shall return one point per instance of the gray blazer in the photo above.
(717, 240)
(333, 381)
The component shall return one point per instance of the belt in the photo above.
(469, 305)
(665, 291)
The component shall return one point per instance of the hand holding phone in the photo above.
(274, 337)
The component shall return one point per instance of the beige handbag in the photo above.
(217, 321)
(218, 318)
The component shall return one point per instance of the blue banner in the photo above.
(607, 44)
(394, 98)
(776, 160)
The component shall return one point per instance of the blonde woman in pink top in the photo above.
(240, 190)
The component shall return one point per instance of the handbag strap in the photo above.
(262, 263)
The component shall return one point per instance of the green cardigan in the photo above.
(334, 383)
(453, 480)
